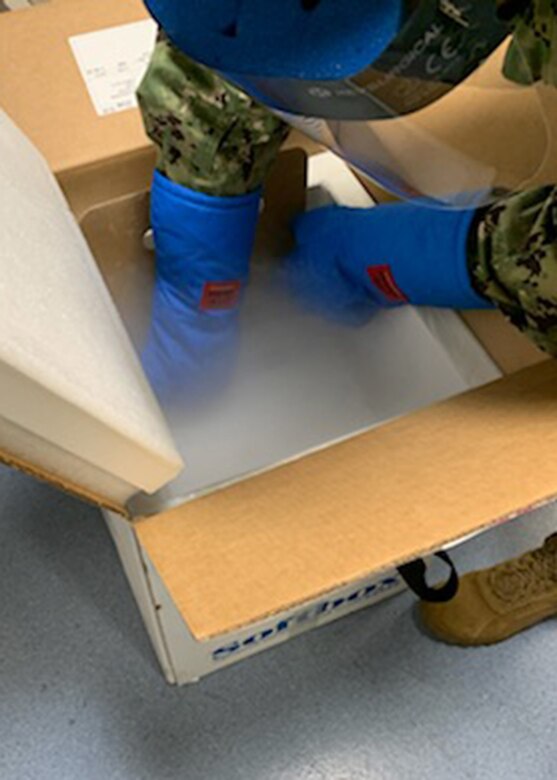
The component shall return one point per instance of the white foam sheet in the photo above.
(68, 373)
(302, 383)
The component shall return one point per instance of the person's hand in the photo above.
(349, 262)
(203, 246)
(315, 271)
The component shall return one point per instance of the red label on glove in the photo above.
(219, 296)
(382, 278)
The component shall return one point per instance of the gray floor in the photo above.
(81, 696)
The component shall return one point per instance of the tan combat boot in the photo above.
(494, 604)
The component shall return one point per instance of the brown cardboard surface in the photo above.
(42, 90)
(94, 158)
(114, 231)
(283, 198)
(510, 350)
(108, 180)
(379, 499)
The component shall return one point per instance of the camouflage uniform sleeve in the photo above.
(532, 55)
(211, 137)
(514, 262)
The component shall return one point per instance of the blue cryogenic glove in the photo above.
(350, 262)
(203, 246)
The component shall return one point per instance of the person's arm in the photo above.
(215, 146)
(532, 54)
(349, 262)
(511, 250)
(513, 262)
(210, 136)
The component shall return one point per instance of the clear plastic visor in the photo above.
(439, 116)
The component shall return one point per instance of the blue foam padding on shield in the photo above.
(281, 38)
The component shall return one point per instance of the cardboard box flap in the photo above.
(46, 95)
(75, 405)
(372, 502)
(510, 349)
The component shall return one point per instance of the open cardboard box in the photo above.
(314, 475)
(334, 460)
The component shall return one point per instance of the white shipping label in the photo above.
(113, 62)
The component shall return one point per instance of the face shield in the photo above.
(410, 92)
(434, 116)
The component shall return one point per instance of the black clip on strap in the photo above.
(414, 575)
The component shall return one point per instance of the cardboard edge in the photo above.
(507, 347)
(449, 543)
(71, 427)
(194, 659)
(66, 486)
(182, 652)
(116, 182)
(138, 577)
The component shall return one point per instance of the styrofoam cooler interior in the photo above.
(302, 383)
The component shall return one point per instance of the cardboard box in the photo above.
(309, 523)
(303, 521)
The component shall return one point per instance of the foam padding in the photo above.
(70, 380)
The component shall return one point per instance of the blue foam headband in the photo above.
(330, 39)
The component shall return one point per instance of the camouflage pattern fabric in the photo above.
(532, 55)
(515, 259)
(211, 137)
(515, 262)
